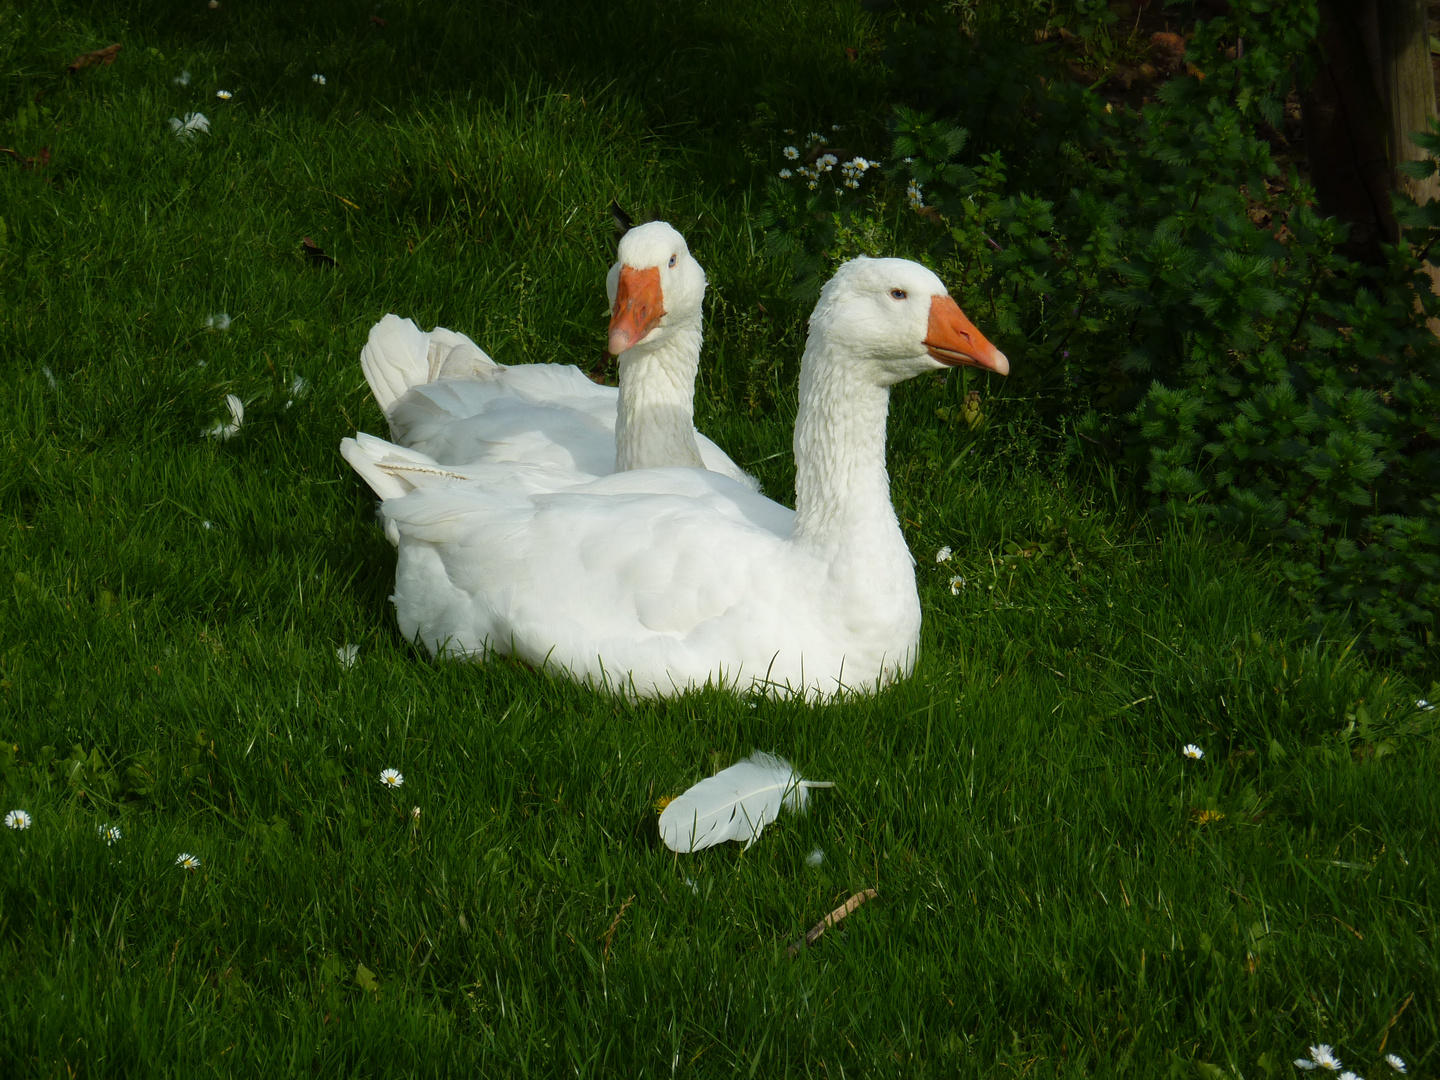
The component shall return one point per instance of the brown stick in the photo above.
(813, 934)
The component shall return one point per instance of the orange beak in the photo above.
(952, 339)
(639, 305)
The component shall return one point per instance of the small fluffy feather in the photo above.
(734, 804)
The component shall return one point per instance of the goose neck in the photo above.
(655, 416)
(842, 489)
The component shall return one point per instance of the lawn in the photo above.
(1060, 890)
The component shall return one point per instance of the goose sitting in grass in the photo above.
(444, 397)
(654, 581)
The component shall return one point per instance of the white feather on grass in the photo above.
(734, 804)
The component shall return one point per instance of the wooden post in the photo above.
(1346, 128)
(1407, 83)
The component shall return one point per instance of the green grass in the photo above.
(1050, 901)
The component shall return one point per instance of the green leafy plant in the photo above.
(1176, 302)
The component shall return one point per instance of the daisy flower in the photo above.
(319, 80)
(1396, 1062)
(391, 778)
(815, 136)
(224, 95)
(346, 654)
(18, 819)
(1193, 752)
(221, 430)
(943, 555)
(109, 833)
(790, 153)
(187, 128)
(827, 162)
(187, 861)
(1348, 1075)
(956, 584)
(785, 174)
(915, 193)
(1323, 1056)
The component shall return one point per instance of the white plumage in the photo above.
(654, 581)
(446, 398)
(734, 804)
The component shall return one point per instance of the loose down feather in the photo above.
(734, 804)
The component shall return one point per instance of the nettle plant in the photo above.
(1176, 303)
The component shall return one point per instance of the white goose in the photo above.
(446, 398)
(657, 580)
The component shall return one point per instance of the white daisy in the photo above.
(109, 833)
(183, 79)
(1396, 1062)
(186, 861)
(1193, 752)
(827, 162)
(187, 128)
(318, 79)
(1323, 1056)
(221, 430)
(391, 778)
(915, 193)
(815, 858)
(790, 153)
(218, 321)
(943, 555)
(785, 174)
(956, 584)
(347, 655)
(18, 819)
(815, 136)
(224, 95)
(1348, 1075)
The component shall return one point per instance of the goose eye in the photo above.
(898, 294)
(672, 261)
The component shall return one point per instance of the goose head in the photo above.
(894, 319)
(655, 288)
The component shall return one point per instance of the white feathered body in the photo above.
(650, 581)
(446, 398)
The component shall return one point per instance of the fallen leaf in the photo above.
(314, 253)
(99, 56)
(378, 21)
(365, 979)
(39, 161)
